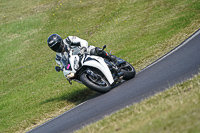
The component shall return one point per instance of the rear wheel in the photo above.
(95, 81)
(128, 70)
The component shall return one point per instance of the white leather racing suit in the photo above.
(75, 44)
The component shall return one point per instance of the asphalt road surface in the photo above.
(177, 66)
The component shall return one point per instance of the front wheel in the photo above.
(128, 70)
(95, 82)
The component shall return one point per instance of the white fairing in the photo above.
(71, 68)
(100, 64)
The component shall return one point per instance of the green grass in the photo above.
(31, 92)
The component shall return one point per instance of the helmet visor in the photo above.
(60, 48)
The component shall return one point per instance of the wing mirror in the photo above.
(104, 47)
(58, 69)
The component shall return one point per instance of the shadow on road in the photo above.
(75, 97)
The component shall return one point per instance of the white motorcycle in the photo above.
(97, 73)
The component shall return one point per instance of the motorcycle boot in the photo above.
(113, 58)
(100, 52)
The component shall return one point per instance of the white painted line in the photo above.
(57, 117)
(175, 49)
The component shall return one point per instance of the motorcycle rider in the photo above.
(77, 45)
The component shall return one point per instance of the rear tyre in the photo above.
(99, 84)
(128, 70)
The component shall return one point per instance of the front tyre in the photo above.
(96, 83)
(128, 70)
